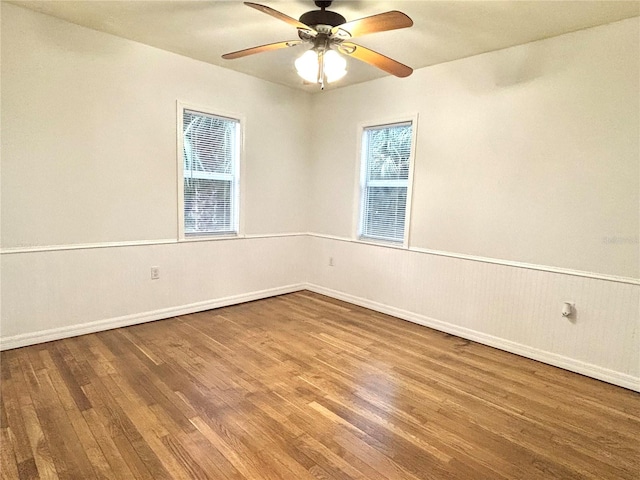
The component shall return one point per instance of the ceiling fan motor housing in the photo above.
(322, 17)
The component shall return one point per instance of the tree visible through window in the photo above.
(211, 155)
(385, 178)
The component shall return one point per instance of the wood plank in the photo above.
(13, 397)
(8, 462)
(45, 466)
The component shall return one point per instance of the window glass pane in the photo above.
(385, 212)
(386, 162)
(209, 143)
(210, 156)
(206, 206)
(388, 152)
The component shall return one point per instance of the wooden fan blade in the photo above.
(279, 16)
(260, 49)
(375, 23)
(376, 59)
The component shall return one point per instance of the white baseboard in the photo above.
(583, 368)
(136, 318)
(590, 370)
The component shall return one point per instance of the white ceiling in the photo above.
(442, 31)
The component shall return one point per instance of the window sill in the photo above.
(209, 237)
(381, 242)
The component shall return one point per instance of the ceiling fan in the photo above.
(329, 34)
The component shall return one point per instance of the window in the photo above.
(385, 173)
(210, 166)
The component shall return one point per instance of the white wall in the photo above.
(525, 156)
(89, 136)
(89, 182)
(53, 294)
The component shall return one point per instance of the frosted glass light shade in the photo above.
(307, 66)
(334, 66)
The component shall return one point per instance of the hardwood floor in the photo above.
(298, 387)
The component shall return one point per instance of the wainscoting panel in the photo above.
(56, 293)
(512, 308)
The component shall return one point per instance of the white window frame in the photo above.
(237, 175)
(361, 173)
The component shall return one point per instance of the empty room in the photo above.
(320, 240)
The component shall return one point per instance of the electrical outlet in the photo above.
(331, 261)
(155, 273)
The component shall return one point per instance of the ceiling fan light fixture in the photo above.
(330, 35)
(308, 66)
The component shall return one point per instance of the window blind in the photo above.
(211, 156)
(386, 160)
